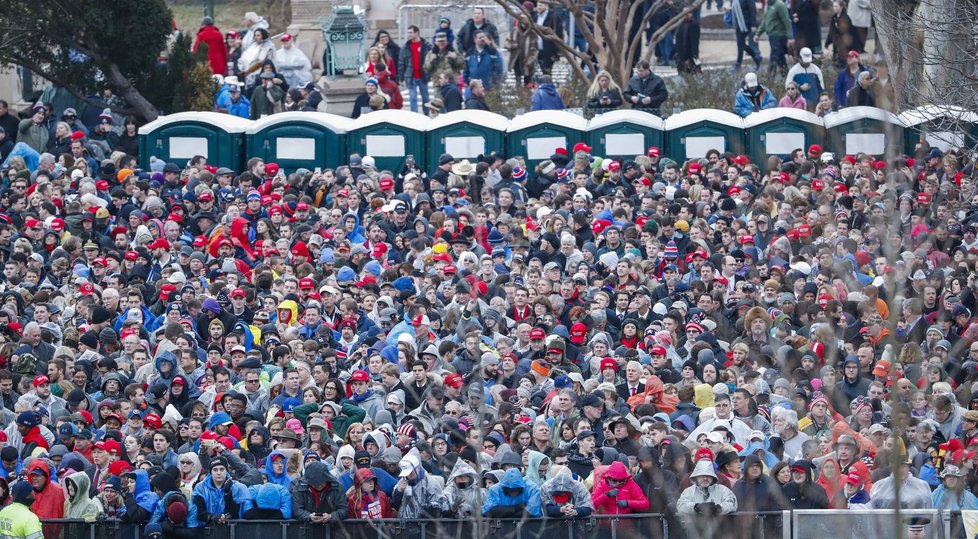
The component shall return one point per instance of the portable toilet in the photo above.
(389, 136)
(465, 134)
(535, 135)
(625, 133)
(780, 131)
(179, 137)
(943, 127)
(299, 140)
(869, 130)
(692, 133)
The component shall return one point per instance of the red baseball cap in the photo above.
(746, 238)
(153, 420)
(578, 332)
(608, 363)
(657, 350)
(205, 196)
(110, 446)
(238, 293)
(581, 147)
(307, 283)
(537, 334)
(386, 184)
(86, 289)
(40, 380)
(454, 380)
(654, 151)
(360, 376)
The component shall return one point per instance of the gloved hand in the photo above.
(709, 508)
(696, 507)
(613, 493)
(623, 503)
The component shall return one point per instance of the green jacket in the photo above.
(776, 22)
(33, 135)
(349, 414)
(266, 101)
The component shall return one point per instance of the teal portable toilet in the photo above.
(625, 133)
(943, 127)
(299, 140)
(535, 135)
(389, 136)
(780, 131)
(179, 137)
(854, 130)
(692, 133)
(465, 134)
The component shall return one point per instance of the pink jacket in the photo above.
(787, 103)
(629, 491)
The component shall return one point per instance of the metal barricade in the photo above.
(862, 524)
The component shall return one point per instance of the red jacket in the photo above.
(217, 52)
(629, 491)
(361, 505)
(50, 501)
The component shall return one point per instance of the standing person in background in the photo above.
(777, 25)
(523, 50)
(688, 45)
(861, 15)
(393, 49)
(847, 78)
(841, 33)
(252, 22)
(646, 91)
(217, 50)
(807, 25)
(744, 15)
(752, 97)
(451, 96)
(478, 22)
(807, 76)
(410, 66)
(548, 19)
(477, 96)
(792, 98)
(546, 96)
(604, 95)
(483, 62)
(292, 63)
(444, 58)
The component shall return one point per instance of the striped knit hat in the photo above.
(671, 251)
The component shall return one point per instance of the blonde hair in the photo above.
(596, 86)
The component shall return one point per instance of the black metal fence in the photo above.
(656, 526)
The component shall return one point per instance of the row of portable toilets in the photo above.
(312, 139)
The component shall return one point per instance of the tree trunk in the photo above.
(143, 108)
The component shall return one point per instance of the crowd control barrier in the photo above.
(312, 139)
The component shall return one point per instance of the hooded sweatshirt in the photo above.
(49, 502)
(364, 504)
(282, 479)
(306, 500)
(271, 502)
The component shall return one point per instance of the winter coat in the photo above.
(651, 86)
(306, 500)
(949, 501)
(269, 470)
(776, 22)
(757, 496)
(464, 503)
(441, 61)
(233, 498)
(466, 35)
(748, 101)
(269, 499)
(485, 65)
(217, 49)
(405, 62)
(498, 504)
(451, 96)
(843, 83)
(861, 13)
(807, 495)
(171, 497)
(607, 498)
(546, 98)
(265, 101)
(614, 100)
(368, 505)
(699, 525)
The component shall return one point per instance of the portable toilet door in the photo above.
(780, 131)
(389, 136)
(536, 135)
(299, 140)
(692, 133)
(465, 134)
(176, 138)
(870, 130)
(943, 127)
(625, 133)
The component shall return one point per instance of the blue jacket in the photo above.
(269, 471)
(529, 498)
(943, 499)
(745, 101)
(240, 108)
(843, 83)
(213, 497)
(486, 66)
(272, 496)
(385, 481)
(160, 512)
(547, 98)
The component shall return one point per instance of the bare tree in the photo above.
(608, 32)
(931, 49)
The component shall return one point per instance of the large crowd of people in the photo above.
(187, 345)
